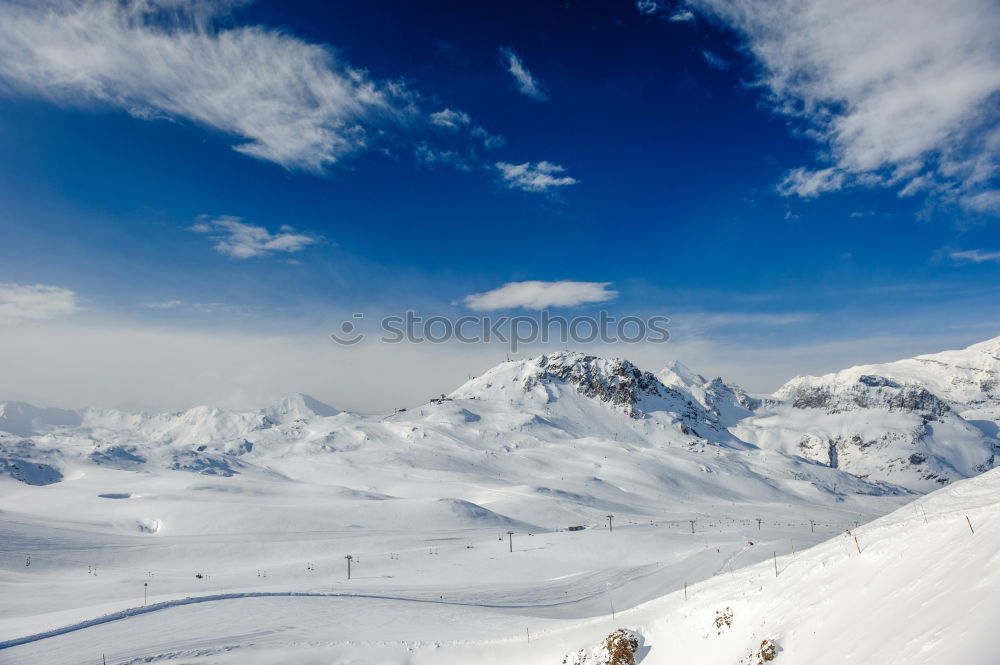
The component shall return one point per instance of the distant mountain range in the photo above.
(910, 425)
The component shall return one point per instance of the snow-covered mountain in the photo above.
(968, 380)
(916, 423)
(919, 422)
(617, 437)
(25, 419)
(573, 384)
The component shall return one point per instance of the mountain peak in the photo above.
(676, 373)
(559, 376)
(25, 419)
(614, 380)
(300, 406)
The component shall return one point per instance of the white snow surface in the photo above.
(240, 522)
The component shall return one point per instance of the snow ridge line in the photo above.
(191, 600)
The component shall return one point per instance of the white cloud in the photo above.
(454, 121)
(200, 307)
(166, 304)
(289, 101)
(529, 177)
(899, 93)
(450, 119)
(283, 99)
(539, 295)
(526, 82)
(647, 6)
(650, 7)
(702, 321)
(988, 201)
(714, 61)
(974, 256)
(427, 155)
(490, 141)
(810, 184)
(241, 240)
(23, 303)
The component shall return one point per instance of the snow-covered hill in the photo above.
(917, 586)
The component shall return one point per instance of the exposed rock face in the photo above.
(871, 392)
(967, 380)
(616, 381)
(29, 472)
(618, 648)
(619, 383)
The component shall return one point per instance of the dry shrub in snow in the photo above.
(723, 619)
(765, 653)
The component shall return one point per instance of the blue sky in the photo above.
(797, 187)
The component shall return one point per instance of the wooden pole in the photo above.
(970, 524)
(775, 564)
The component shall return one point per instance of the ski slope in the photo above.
(918, 586)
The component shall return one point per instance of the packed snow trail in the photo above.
(156, 607)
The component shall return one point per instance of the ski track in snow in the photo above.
(165, 605)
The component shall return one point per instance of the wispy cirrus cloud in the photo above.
(285, 100)
(450, 119)
(238, 239)
(526, 82)
(427, 155)
(974, 256)
(539, 295)
(528, 177)
(810, 183)
(650, 7)
(714, 61)
(163, 304)
(24, 303)
(647, 6)
(279, 97)
(917, 111)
